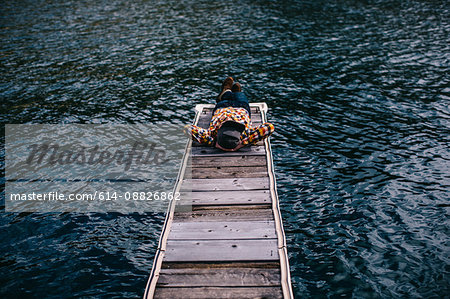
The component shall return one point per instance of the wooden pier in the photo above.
(232, 243)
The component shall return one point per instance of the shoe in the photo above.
(226, 85)
(236, 87)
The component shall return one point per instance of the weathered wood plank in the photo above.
(224, 215)
(225, 198)
(212, 151)
(221, 250)
(221, 161)
(226, 172)
(225, 184)
(219, 292)
(219, 277)
(223, 265)
(231, 207)
(221, 230)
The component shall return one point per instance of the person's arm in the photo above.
(198, 134)
(261, 132)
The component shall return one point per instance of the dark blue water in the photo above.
(359, 95)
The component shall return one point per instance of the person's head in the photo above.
(229, 134)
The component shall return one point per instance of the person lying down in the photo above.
(230, 128)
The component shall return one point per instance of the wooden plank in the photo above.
(221, 250)
(219, 292)
(226, 198)
(212, 151)
(224, 215)
(221, 230)
(225, 184)
(219, 277)
(226, 172)
(223, 265)
(227, 161)
(231, 207)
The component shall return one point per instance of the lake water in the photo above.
(358, 92)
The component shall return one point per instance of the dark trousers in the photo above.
(235, 100)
